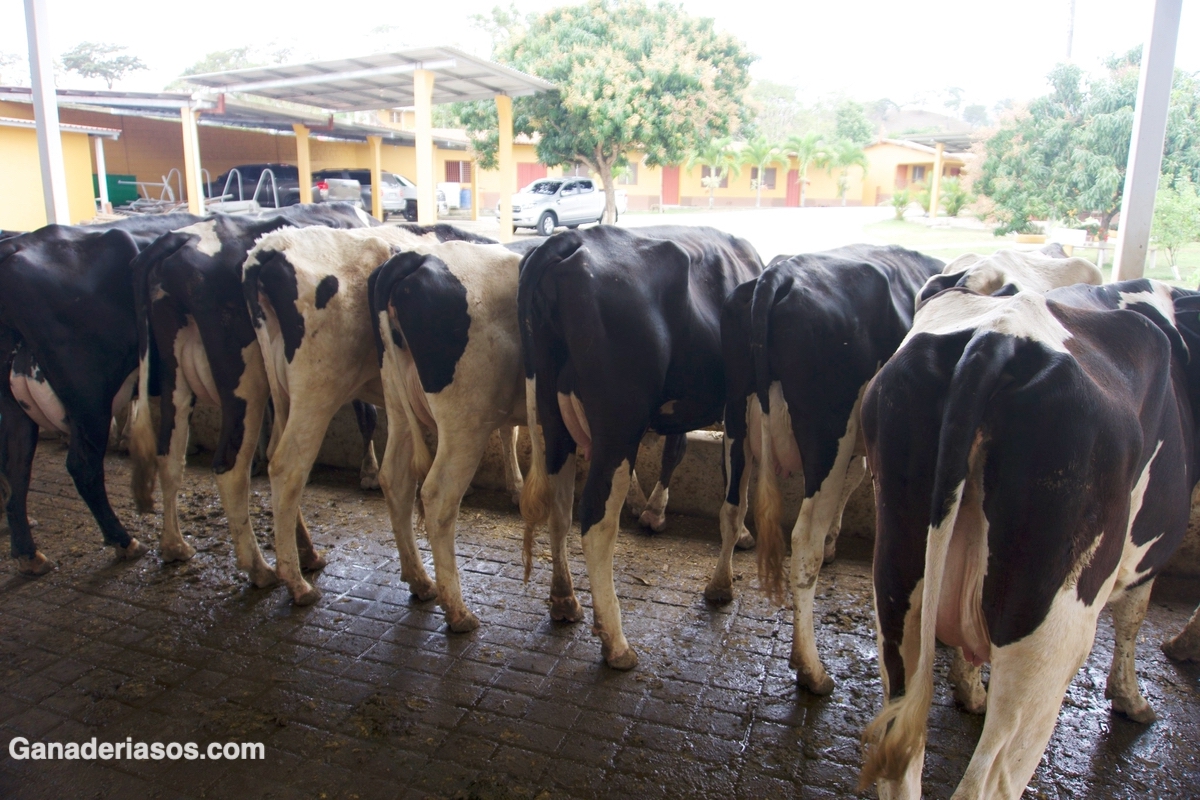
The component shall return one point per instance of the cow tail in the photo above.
(897, 734)
(535, 494)
(768, 501)
(143, 450)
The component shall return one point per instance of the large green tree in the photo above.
(851, 123)
(1065, 155)
(104, 61)
(631, 76)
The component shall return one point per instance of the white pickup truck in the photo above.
(547, 203)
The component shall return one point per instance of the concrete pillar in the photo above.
(508, 167)
(474, 190)
(101, 175)
(303, 162)
(426, 188)
(45, 112)
(935, 183)
(191, 160)
(1146, 146)
(376, 143)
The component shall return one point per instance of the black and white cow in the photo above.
(1033, 458)
(620, 334)
(1007, 272)
(800, 344)
(196, 336)
(68, 354)
(307, 289)
(450, 354)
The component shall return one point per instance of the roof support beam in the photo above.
(303, 162)
(101, 175)
(426, 191)
(508, 168)
(1146, 146)
(45, 110)
(191, 160)
(376, 143)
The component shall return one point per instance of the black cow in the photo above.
(196, 335)
(620, 334)
(68, 351)
(801, 343)
(1034, 459)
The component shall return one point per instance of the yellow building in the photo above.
(903, 163)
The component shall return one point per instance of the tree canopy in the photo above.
(631, 76)
(97, 60)
(851, 124)
(1065, 155)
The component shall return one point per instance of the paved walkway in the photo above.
(365, 695)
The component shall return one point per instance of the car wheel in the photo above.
(546, 224)
(572, 227)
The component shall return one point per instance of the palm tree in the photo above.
(758, 153)
(721, 159)
(841, 156)
(807, 149)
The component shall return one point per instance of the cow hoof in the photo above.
(306, 597)
(1183, 648)
(181, 551)
(822, 687)
(369, 482)
(565, 609)
(516, 499)
(745, 540)
(719, 595)
(624, 661)
(972, 702)
(35, 566)
(655, 522)
(263, 577)
(830, 553)
(131, 552)
(464, 623)
(424, 590)
(1136, 709)
(312, 561)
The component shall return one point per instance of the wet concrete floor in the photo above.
(367, 695)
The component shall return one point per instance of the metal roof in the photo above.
(954, 142)
(232, 113)
(90, 130)
(377, 81)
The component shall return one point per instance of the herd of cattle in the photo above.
(1030, 433)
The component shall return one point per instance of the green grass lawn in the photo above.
(949, 243)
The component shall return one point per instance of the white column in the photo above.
(101, 175)
(191, 161)
(426, 186)
(1146, 146)
(45, 111)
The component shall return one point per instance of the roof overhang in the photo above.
(106, 133)
(376, 81)
(956, 142)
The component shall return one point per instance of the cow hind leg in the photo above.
(599, 541)
(172, 546)
(514, 482)
(854, 476)
(234, 488)
(1028, 683)
(966, 681)
(18, 442)
(733, 523)
(1128, 611)
(564, 606)
(636, 498)
(368, 418)
(1186, 646)
(442, 492)
(654, 516)
(399, 486)
(85, 464)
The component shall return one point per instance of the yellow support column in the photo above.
(191, 161)
(426, 190)
(508, 168)
(376, 143)
(935, 182)
(474, 191)
(303, 162)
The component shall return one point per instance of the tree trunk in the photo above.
(1105, 221)
(610, 193)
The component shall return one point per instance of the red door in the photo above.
(793, 189)
(670, 186)
(528, 172)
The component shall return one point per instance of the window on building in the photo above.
(768, 181)
(629, 176)
(706, 172)
(918, 173)
(458, 171)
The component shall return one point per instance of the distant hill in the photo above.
(907, 121)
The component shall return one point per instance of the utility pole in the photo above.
(45, 112)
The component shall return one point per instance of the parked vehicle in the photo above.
(244, 183)
(343, 190)
(393, 186)
(547, 203)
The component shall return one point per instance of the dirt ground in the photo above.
(367, 695)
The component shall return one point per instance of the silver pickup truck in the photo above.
(547, 203)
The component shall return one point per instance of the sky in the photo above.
(907, 52)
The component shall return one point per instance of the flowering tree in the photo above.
(631, 76)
